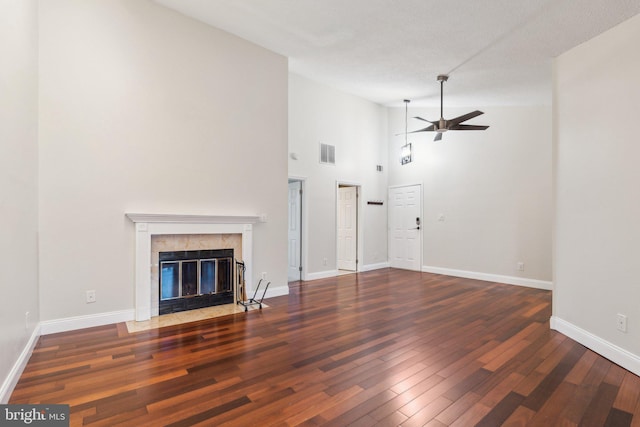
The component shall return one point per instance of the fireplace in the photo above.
(149, 226)
(195, 279)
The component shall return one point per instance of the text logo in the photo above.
(34, 415)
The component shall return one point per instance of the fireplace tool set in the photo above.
(241, 292)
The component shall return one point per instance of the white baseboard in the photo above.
(321, 275)
(378, 266)
(274, 292)
(509, 280)
(333, 273)
(14, 375)
(603, 347)
(80, 322)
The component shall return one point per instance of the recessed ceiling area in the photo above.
(497, 52)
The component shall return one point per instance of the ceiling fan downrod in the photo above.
(442, 126)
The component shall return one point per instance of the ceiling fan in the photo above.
(443, 125)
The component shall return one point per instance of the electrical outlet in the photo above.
(324, 261)
(26, 320)
(91, 296)
(621, 322)
(264, 275)
(520, 266)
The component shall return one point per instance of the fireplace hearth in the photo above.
(195, 279)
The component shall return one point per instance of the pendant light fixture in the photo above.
(405, 151)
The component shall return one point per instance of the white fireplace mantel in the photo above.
(195, 219)
(148, 225)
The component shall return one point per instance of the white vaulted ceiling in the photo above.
(497, 52)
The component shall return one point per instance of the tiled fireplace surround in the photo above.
(192, 231)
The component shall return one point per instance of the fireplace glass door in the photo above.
(189, 278)
(207, 276)
(224, 277)
(170, 280)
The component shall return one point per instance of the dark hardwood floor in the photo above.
(387, 347)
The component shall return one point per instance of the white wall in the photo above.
(493, 188)
(357, 129)
(18, 184)
(597, 215)
(145, 110)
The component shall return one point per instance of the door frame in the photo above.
(422, 221)
(359, 238)
(304, 230)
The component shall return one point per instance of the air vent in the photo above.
(327, 154)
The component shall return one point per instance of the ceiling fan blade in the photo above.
(427, 129)
(438, 136)
(463, 118)
(468, 127)
(425, 120)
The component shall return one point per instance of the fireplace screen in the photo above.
(195, 279)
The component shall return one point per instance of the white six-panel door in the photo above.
(347, 228)
(295, 232)
(405, 224)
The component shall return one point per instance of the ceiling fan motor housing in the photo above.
(442, 125)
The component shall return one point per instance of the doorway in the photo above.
(405, 227)
(295, 231)
(347, 228)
